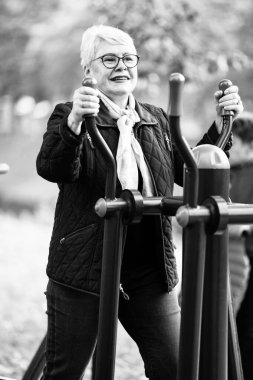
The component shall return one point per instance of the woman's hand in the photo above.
(85, 102)
(229, 100)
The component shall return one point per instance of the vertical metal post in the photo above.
(194, 241)
(214, 352)
(193, 246)
(109, 297)
(214, 180)
(35, 368)
(235, 371)
(111, 263)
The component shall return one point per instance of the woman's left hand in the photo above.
(229, 100)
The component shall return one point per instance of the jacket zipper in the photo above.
(125, 295)
(64, 238)
(168, 142)
(90, 140)
(90, 153)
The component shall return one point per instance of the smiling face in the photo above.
(116, 83)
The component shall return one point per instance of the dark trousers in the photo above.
(151, 317)
(244, 323)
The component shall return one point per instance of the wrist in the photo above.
(74, 125)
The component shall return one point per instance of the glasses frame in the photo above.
(118, 58)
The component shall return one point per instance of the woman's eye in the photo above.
(128, 58)
(109, 59)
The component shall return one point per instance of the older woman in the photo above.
(139, 137)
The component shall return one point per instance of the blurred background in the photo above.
(206, 41)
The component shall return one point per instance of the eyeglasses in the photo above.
(111, 61)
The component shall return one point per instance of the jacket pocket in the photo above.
(75, 252)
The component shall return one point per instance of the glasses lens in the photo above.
(110, 61)
(130, 60)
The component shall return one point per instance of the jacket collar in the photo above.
(103, 119)
(145, 116)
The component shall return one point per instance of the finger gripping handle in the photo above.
(90, 82)
(176, 84)
(223, 85)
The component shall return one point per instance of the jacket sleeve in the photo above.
(211, 137)
(59, 158)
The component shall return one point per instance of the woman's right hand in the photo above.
(85, 102)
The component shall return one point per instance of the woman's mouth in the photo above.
(120, 78)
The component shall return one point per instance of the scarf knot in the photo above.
(129, 153)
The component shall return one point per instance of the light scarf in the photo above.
(129, 153)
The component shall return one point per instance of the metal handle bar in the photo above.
(237, 213)
(176, 83)
(227, 117)
(150, 206)
(110, 187)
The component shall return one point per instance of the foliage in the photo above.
(192, 37)
(157, 26)
(40, 40)
(17, 18)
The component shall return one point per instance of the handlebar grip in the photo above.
(90, 82)
(176, 84)
(223, 85)
(101, 145)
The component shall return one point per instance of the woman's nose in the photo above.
(120, 65)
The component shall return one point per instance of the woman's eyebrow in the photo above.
(115, 55)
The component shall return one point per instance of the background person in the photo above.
(241, 237)
(139, 138)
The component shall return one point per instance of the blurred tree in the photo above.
(40, 40)
(53, 52)
(193, 37)
(16, 20)
(158, 27)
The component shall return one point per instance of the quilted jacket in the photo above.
(74, 163)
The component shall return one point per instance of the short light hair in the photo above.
(97, 33)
